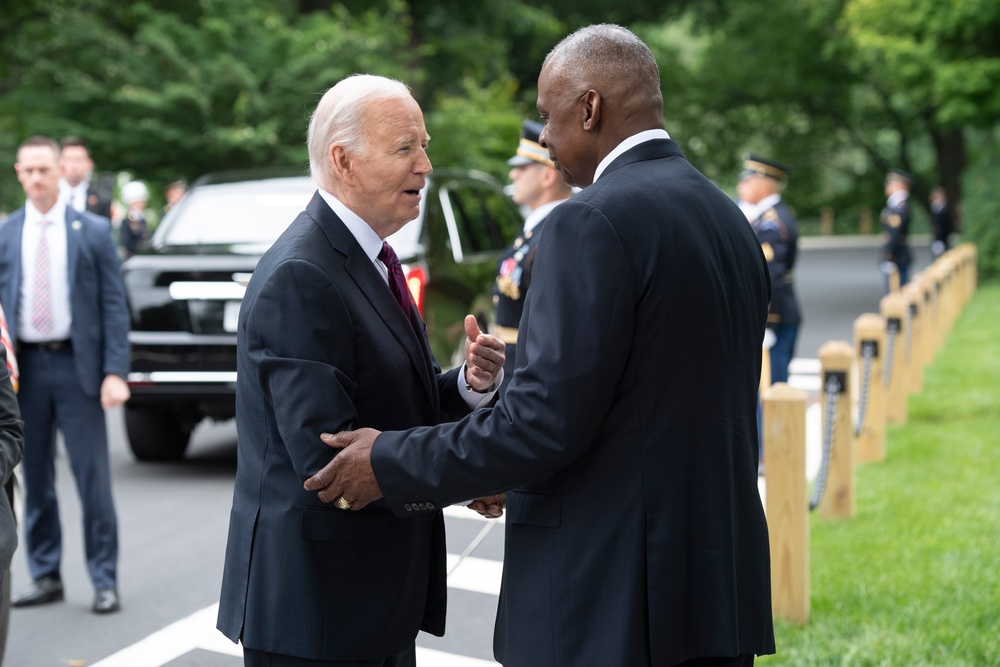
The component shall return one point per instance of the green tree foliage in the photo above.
(168, 92)
(981, 206)
(840, 90)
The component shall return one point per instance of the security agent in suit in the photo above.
(895, 219)
(71, 338)
(941, 222)
(627, 436)
(539, 188)
(11, 450)
(761, 184)
(323, 343)
(77, 186)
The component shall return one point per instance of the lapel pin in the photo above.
(76, 225)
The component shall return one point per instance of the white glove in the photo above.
(887, 267)
(769, 339)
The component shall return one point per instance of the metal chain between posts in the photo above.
(867, 356)
(909, 334)
(890, 348)
(832, 390)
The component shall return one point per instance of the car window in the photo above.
(485, 222)
(230, 213)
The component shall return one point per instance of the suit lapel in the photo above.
(74, 240)
(375, 290)
(13, 231)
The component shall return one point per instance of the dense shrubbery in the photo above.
(981, 214)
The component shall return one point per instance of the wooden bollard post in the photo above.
(787, 501)
(837, 501)
(826, 221)
(968, 274)
(869, 339)
(973, 267)
(865, 221)
(894, 280)
(925, 284)
(895, 308)
(915, 341)
(765, 370)
(939, 274)
(949, 298)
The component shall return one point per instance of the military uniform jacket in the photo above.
(511, 288)
(895, 228)
(778, 233)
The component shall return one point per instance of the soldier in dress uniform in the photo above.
(538, 188)
(895, 220)
(761, 183)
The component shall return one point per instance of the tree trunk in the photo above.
(949, 145)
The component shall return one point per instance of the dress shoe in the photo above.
(41, 591)
(106, 601)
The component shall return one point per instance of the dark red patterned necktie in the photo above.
(397, 282)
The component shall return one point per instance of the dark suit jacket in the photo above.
(11, 449)
(324, 346)
(99, 198)
(636, 534)
(97, 294)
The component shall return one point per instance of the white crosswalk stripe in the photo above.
(197, 631)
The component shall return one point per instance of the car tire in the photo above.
(155, 433)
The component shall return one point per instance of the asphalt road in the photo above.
(173, 521)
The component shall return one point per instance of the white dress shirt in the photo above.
(539, 214)
(62, 317)
(75, 196)
(372, 246)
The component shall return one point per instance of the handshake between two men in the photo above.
(349, 480)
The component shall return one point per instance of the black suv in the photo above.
(184, 291)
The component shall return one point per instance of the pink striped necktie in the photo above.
(397, 282)
(41, 302)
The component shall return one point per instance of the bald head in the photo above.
(597, 87)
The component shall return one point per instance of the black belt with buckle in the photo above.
(46, 345)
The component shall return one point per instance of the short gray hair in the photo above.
(339, 115)
(607, 54)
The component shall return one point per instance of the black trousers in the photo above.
(738, 661)
(252, 658)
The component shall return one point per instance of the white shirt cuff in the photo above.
(473, 398)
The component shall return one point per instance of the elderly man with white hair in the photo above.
(329, 339)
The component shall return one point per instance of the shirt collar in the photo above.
(361, 230)
(539, 214)
(56, 215)
(898, 197)
(767, 202)
(631, 142)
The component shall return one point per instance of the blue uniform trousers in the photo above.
(50, 398)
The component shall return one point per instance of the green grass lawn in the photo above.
(913, 578)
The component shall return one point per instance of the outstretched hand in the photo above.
(349, 475)
(484, 356)
(490, 507)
